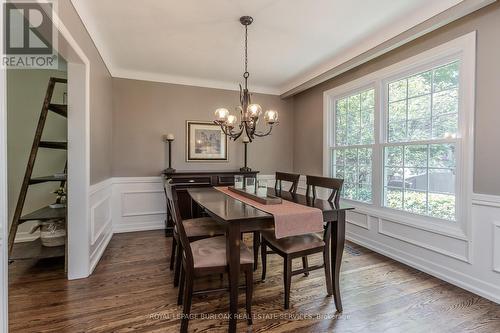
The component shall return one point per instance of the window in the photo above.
(422, 124)
(354, 137)
(401, 138)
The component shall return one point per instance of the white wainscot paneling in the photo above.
(358, 219)
(101, 219)
(449, 246)
(471, 261)
(143, 202)
(496, 247)
(138, 204)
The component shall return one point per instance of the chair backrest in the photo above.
(173, 204)
(287, 177)
(334, 184)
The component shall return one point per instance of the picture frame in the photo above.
(205, 142)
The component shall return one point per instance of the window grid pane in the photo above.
(424, 106)
(354, 165)
(354, 119)
(420, 179)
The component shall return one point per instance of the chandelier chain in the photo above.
(246, 74)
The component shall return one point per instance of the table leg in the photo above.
(337, 249)
(233, 258)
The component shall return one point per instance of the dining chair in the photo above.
(204, 257)
(279, 178)
(196, 228)
(290, 248)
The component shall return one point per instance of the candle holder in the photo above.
(170, 139)
(245, 168)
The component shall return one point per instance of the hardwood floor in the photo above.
(131, 290)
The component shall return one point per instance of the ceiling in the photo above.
(200, 42)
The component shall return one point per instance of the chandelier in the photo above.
(249, 112)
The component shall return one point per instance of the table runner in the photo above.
(290, 218)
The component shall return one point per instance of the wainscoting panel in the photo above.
(452, 247)
(359, 219)
(143, 202)
(101, 219)
(138, 204)
(496, 247)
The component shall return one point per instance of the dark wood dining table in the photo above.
(238, 217)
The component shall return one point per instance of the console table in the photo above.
(193, 179)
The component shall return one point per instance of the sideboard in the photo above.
(190, 179)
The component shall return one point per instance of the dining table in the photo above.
(238, 217)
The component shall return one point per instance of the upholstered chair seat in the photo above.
(211, 252)
(295, 243)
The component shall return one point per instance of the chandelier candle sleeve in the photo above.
(170, 138)
(249, 112)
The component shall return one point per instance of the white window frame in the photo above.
(463, 49)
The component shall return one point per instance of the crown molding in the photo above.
(397, 34)
(400, 33)
(188, 81)
(117, 72)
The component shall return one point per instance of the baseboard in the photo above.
(133, 227)
(469, 283)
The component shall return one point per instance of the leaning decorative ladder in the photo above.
(34, 249)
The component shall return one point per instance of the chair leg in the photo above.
(287, 279)
(328, 276)
(305, 265)
(182, 283)
(178, 262)
(172, 253)
(256, 244)
(263, 255)
(248, 296)
(188, 297)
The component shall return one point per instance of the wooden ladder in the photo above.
(45, 213)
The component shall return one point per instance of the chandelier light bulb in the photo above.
(231, 120)
(271, 116)
(221, 114)
(254, 110)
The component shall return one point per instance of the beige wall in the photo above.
(308, 105)
(145, 111)
(100, 95)
(25, 95)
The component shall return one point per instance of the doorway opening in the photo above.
(37, 112)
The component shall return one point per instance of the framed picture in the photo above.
(205, 142)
